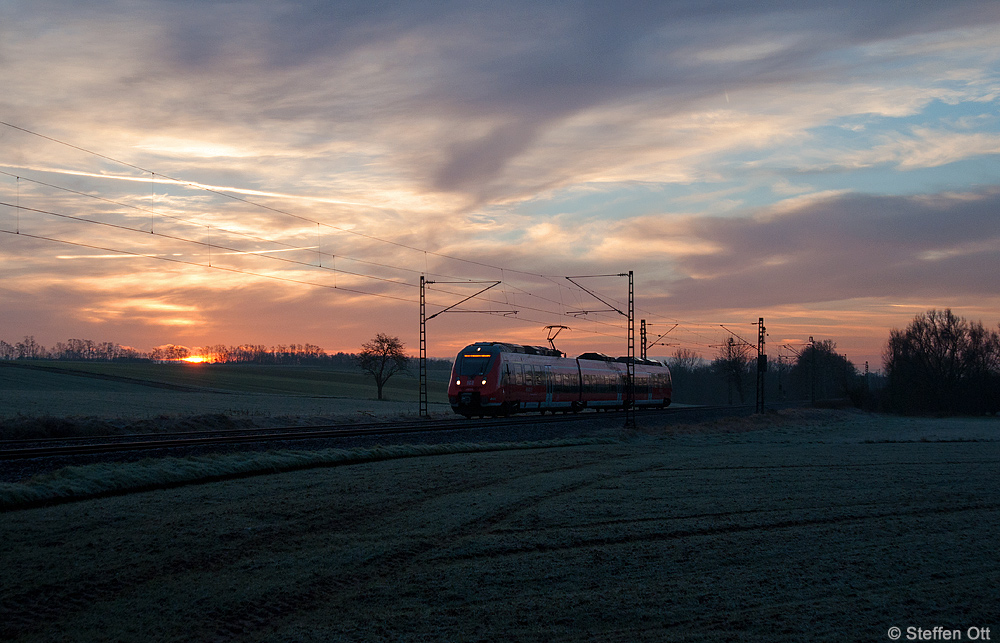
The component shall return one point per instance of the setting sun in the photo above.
(196, 359)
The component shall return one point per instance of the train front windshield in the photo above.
(473, 364)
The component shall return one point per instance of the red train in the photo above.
(496, 378)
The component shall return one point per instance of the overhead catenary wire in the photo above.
(208, 245)
(277, 210)
(201, 265)
(227, 195)
(300, 217)
(218, 228)
(156, 177)
(262, 253)
(224, 194)
(230, 269)
(286, 245)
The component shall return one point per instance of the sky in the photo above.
(197, 172)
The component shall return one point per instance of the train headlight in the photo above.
(484, 382)
(458, 382)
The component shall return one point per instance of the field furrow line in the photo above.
(721, 530)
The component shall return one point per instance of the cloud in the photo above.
(552, 137)
(470, 162)
(464, 98)
(925, 147)
(845, 247)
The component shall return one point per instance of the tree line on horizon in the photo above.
(89, 350)
(818, 374)
(71, 349)
(939, 364)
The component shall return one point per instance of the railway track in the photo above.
(62, 447)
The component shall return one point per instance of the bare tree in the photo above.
(820, 372)
(169, 352)
(29, 348)
(684, 358)
(382, 357)
(733, 363)
(943, 363)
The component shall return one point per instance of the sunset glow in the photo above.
(278, 174)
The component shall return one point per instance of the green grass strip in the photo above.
(71, 484)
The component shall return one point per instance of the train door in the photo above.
(548, 385)
(517, 386)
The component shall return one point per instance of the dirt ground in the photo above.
(830, 526)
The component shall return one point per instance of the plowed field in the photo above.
(815, 526)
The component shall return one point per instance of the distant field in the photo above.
(123, 390)
(799, 526)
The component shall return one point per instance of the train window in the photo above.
(529, 375)
(474, 364)
(518, 374)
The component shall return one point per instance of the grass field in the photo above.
(799, 526)
(143, 391)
